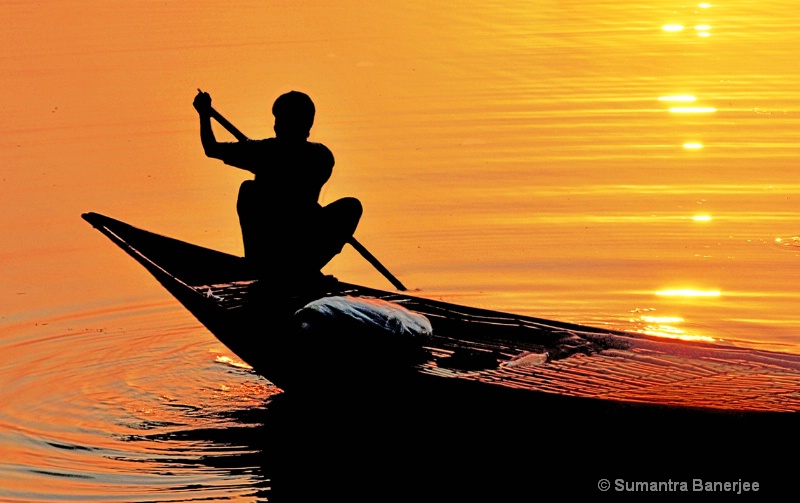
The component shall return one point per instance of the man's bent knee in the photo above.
(247, 197)
(347, 209)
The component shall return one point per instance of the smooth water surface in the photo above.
(631, 166)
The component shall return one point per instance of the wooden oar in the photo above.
(377, 265)
(227, 125)
(353, 241)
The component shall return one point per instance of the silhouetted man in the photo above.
(288, 237)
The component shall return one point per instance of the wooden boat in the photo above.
(466, 343)
(487, 403)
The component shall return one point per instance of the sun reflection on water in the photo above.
(671, 332)
(666, 327)
(688, 292)
(685, 98)
(661, 319)
(692, 110)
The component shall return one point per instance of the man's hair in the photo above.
(294, 114)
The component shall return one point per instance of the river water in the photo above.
(630, 166)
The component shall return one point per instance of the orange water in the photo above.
(581, 161)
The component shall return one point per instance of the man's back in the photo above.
(289, 173)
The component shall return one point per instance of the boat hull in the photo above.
(489, 349)
(492, 407)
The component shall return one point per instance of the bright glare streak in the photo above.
(661, 319)
(689, 293)
(702, 218)
(662, 326)
(702, 27)
(681, 335)
(672, 27)
(693, 146)
(704, 5)
(686, 98)
(692, 110)
(703, 34)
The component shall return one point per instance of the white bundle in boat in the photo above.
(368, 314)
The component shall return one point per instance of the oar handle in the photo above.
(227, 125)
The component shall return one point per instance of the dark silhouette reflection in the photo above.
(444, 440)
(288, 236)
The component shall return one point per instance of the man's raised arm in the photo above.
(211, 147)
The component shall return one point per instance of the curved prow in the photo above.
(161, 255)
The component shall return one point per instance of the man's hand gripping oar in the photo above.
(353, 242)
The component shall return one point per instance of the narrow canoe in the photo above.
(466, 344)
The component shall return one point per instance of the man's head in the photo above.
(294, 115)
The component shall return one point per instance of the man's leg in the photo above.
(338, 222)
(248, 218)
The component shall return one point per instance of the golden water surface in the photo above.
(630, 165)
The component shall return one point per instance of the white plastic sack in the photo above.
(367, 313)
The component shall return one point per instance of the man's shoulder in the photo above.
(320, 152)
(317, 145)
(275, 148)
(275, 142)
(247, 145)
(262, 142)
